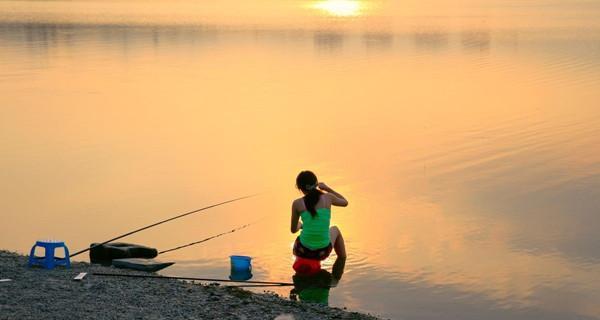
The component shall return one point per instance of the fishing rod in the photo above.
(204, 240)
(190, 278)
(160, 222)
(277, 285)
(260, 285)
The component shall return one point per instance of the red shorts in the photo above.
(306, 253)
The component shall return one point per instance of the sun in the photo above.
(340, 8)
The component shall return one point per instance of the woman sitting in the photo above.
(317, 238)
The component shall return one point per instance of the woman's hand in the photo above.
(324, 187)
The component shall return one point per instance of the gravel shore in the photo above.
(52, 294)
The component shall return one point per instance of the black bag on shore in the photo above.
(105, 253)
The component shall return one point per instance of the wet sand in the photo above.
(35, 293)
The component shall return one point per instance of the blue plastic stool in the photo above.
(49, 261)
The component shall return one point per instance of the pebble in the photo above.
(51, 294)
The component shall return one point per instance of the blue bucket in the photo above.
(240, 275)
(241, 263)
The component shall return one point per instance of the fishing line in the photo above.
(190, 278)
(206, 239)
(160, 222)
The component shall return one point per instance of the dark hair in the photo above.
(307, 182)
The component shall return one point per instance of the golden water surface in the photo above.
(465, 135)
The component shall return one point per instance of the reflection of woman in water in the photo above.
(315, 287)
(317, 238)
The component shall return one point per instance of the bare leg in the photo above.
(338, 241)
(338, 269)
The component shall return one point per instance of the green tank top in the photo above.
(315, 230)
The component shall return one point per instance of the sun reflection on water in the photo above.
(340, 8)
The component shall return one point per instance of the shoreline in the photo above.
(36, 293)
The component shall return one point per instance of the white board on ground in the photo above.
(80, 276)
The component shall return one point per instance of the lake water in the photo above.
(466, 136)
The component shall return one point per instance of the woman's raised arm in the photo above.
(336, 198)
